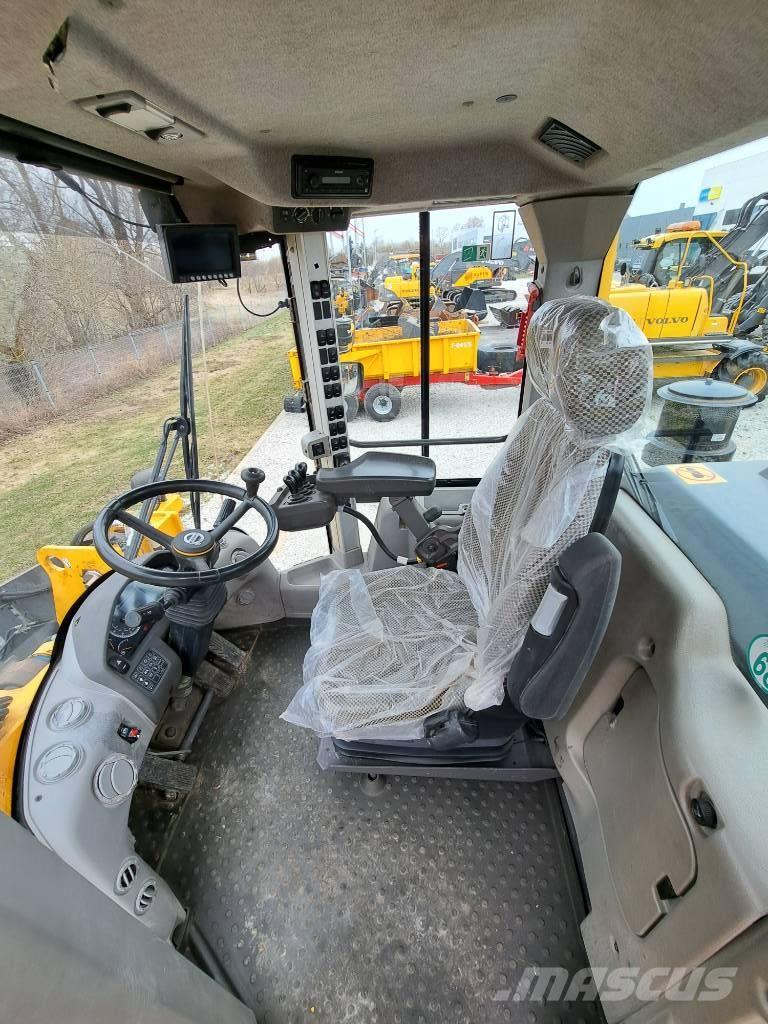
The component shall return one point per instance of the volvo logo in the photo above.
(194, 538)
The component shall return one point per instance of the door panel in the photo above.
(625, 764)
(712, 737)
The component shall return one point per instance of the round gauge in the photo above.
(58, 762)
(121, 631)
(69, 713)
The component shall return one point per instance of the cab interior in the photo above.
(602, 809)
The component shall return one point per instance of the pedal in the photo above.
(229, 657)
(223, 666)
(166, 773)
(211, 677)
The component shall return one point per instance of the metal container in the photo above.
(696, 422)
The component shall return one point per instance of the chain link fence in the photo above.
(60, 379)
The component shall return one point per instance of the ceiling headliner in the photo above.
(654, 84)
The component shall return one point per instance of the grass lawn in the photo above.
(58, 477)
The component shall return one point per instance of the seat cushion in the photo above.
(388, 649)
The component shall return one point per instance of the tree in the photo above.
(82, 273)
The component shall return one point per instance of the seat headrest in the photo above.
(593, 362)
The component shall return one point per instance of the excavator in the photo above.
(701, 297)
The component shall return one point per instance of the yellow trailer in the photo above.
(380, 361)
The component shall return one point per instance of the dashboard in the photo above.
(86, 741)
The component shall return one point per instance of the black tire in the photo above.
(84, 536)
(382, 402)
(750, 370)
(351, 406)
(295, 402)
(497, 357)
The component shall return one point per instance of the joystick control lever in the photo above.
(253, 478)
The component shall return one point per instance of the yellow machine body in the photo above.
(71, 568)
(18, 687)
(682, 309)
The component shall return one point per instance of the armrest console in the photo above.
(376, 475)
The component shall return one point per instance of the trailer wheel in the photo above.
(294, 402)
(351, 406)
(382, 402)
(750, 370)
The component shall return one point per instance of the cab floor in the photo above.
(423, 903)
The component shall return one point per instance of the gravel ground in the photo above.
(456, 410)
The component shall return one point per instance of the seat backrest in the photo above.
(592, 366)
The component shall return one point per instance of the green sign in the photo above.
(473, 253)
(757, 659)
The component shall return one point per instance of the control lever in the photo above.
(253, 478)
(227, 508)
(153, 611)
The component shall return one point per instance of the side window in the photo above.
(698, 463)
(668, 262)
(89, 359)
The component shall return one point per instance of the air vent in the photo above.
(146, 897)
(126, 876)
(567, 142)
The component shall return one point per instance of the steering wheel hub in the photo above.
(192, 544)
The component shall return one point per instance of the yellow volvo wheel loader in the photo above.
(701, 298)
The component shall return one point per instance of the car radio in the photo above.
(320, 177)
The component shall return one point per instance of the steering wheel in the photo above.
(194, 549)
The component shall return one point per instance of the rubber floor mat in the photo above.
(423, 903)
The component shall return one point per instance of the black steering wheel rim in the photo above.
(117, 509)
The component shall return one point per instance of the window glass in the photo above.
(700, 463)
(474, 387)
(89, 348)
(475, 304)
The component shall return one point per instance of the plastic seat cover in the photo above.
(390, 648)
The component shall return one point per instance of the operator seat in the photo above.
(393, 647)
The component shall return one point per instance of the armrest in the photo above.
(566, 629)
(376, 475)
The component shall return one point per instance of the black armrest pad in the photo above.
(376, 475)
(549, 668)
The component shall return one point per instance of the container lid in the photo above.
(717, 394)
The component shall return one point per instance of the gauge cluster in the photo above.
(125, 636)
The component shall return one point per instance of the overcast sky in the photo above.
(663, 192)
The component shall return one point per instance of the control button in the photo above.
(326, 372)
(315, 288)
(343, 441)
(323, 353)
(325, 289)
(329, 390)
(321, 339)
(119, 665)
(336, 391)
(318, 450)
(335, 444)
(330, 336)
(317, 308)
(326, 310)
(333, 355)
(129, 733)
(335, 372)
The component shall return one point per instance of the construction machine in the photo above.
(701, 297)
